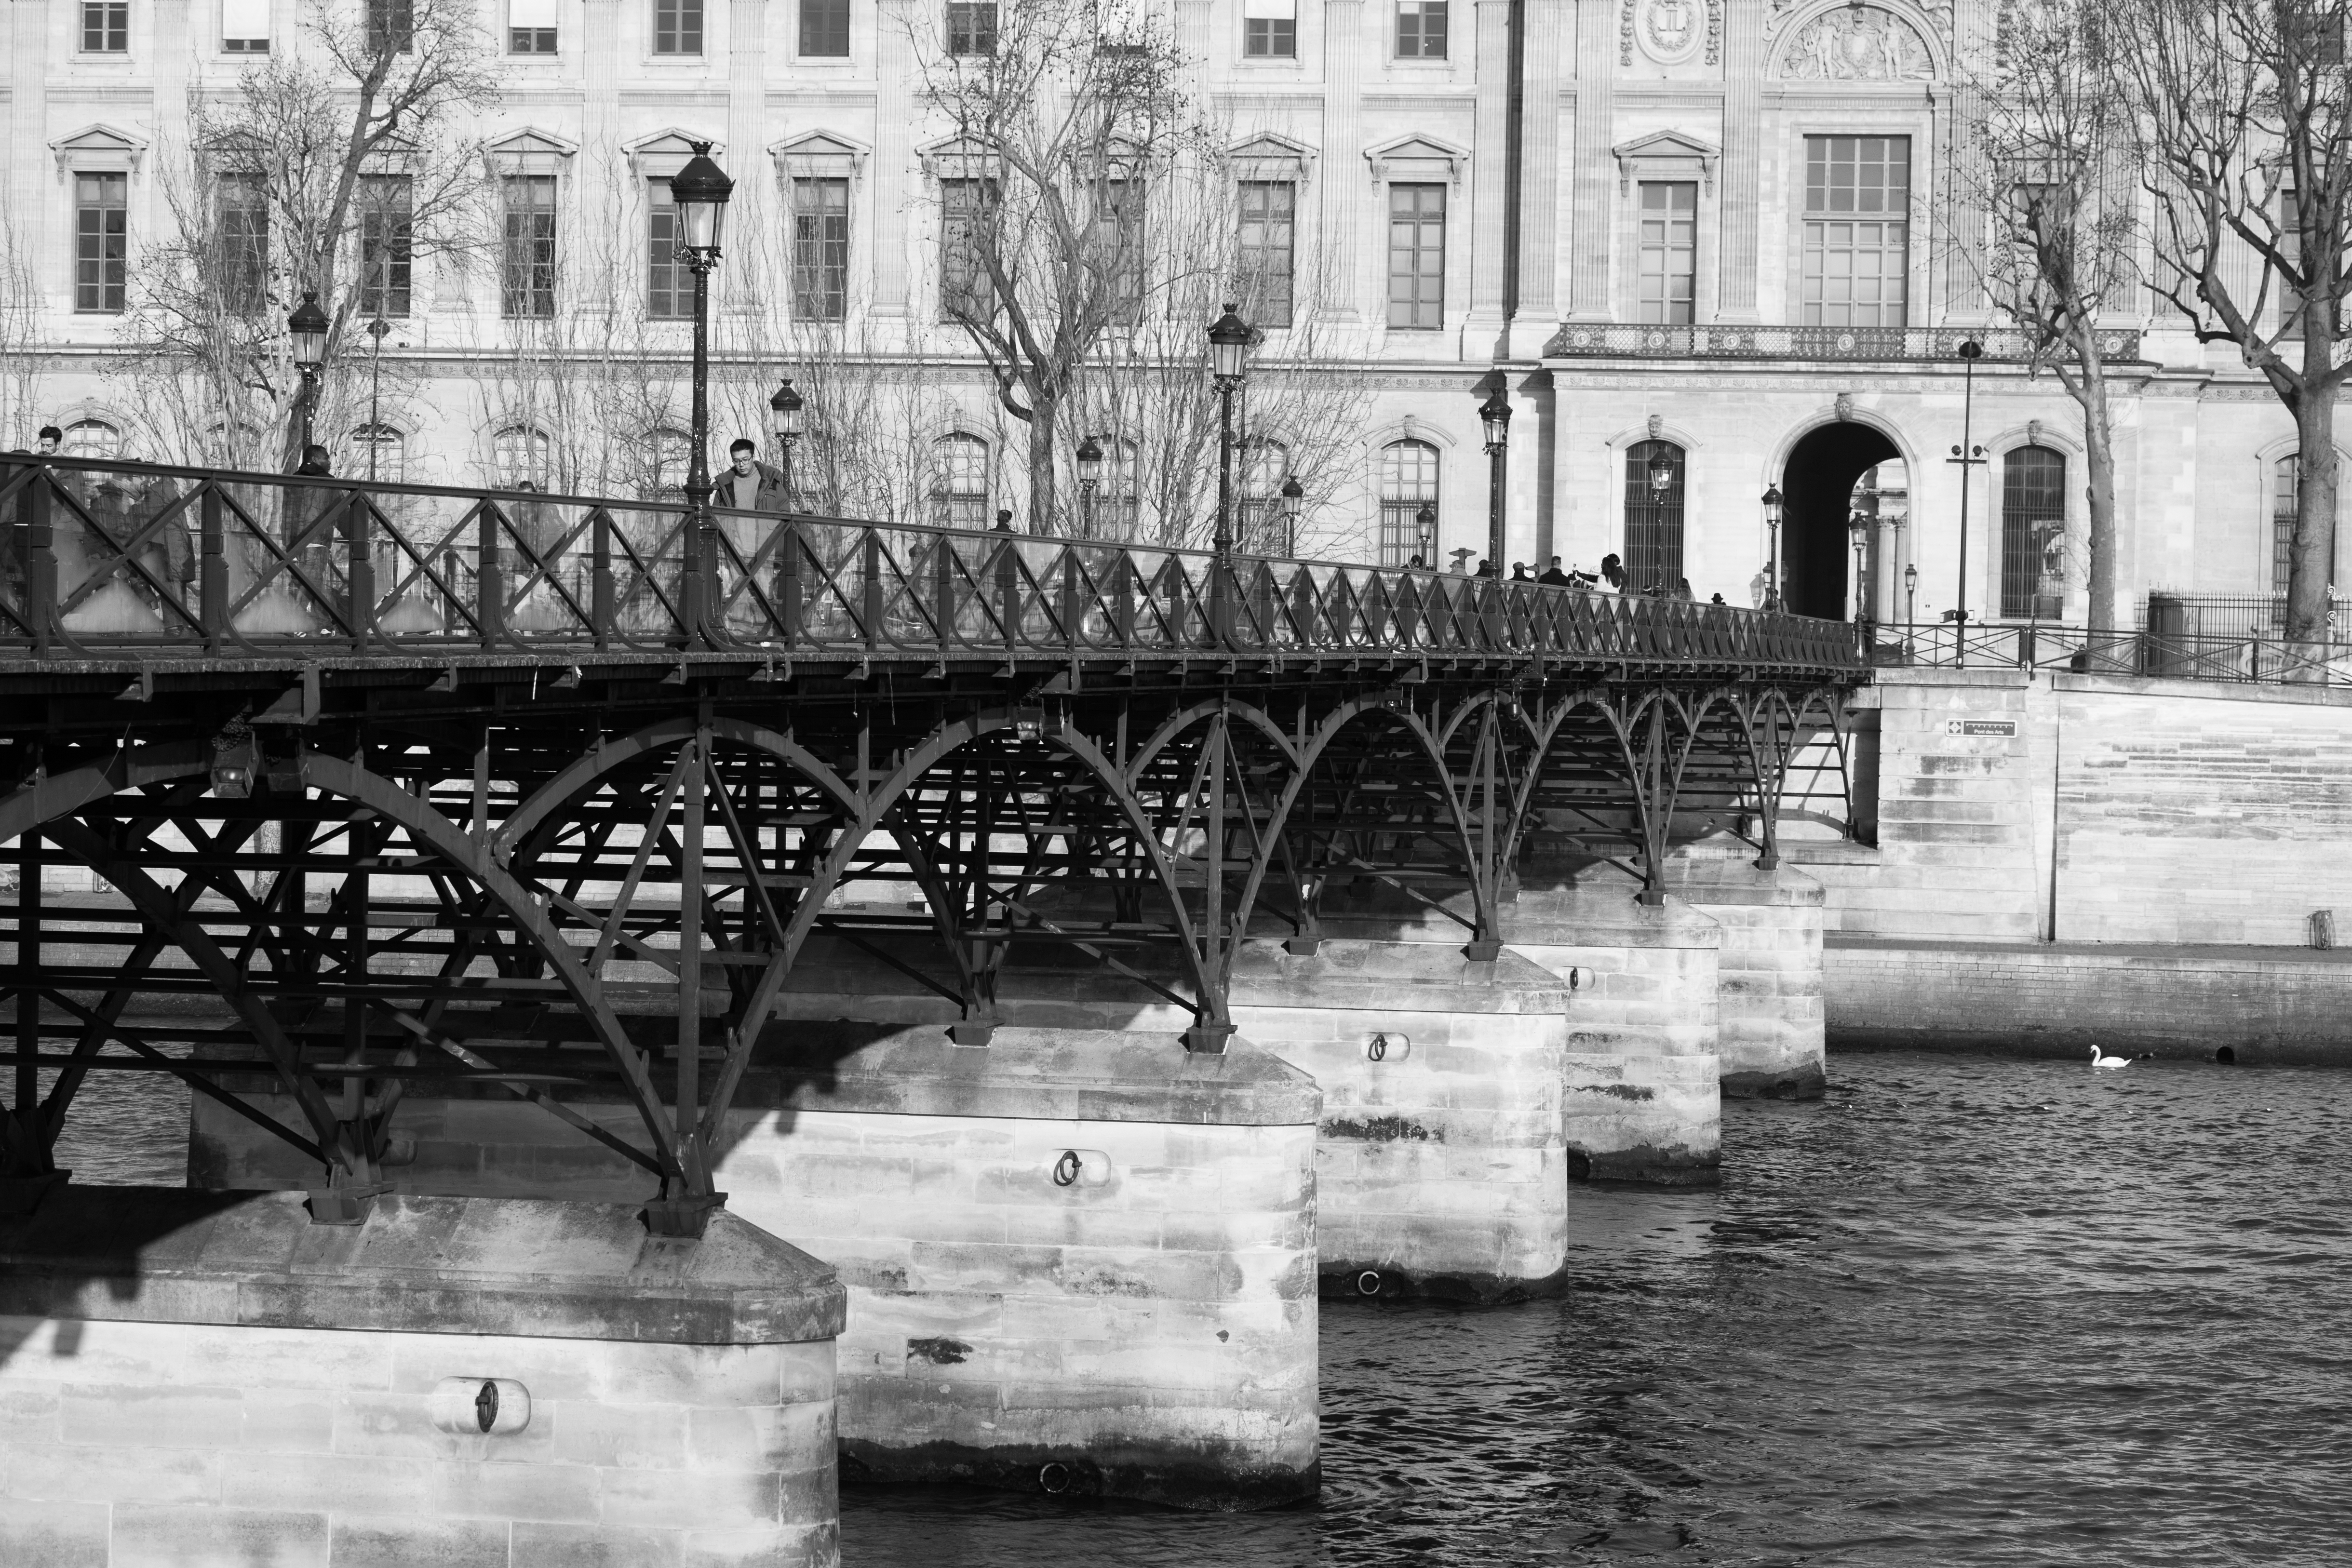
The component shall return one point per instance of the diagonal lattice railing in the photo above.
(120, 559)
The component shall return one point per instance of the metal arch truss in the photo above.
(602, 896)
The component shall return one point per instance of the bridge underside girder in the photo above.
(575, 884)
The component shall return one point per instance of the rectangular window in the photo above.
(825, 30)
(392, 26)
(1117, 244)
(971, 26)
(821, 249)
(1417, 258)
(527, 277)
(245, 26)
(669, 282)
(678, 26)
(1857, 230)
(243, 241)
(1269, 223)
(1668, 272)
(1270, 30)
(386, 212)
(105, 26)
(1421, 29)
(102, 240)
(530, 27)
(2286, 482)
(963, 277)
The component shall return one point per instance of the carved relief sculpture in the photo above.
(1669, 31)
(1856, 44)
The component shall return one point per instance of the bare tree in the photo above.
(341, 165)
(1060, 120)
(2049, 179)
(20, 341)
(2243, 115)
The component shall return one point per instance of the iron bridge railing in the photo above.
(109, 560)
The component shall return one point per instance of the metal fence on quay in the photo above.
(2257, 657)
(116, 559)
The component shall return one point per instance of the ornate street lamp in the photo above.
(376, 329)
(1967, 455)
(1857, 528)
(308, 326)
(1089, 476)
(1294, 496)
(788, 419)
(1229, 340)
(1772, 539)
(1662, 476)
(1494, 416)
(699, 190)
(1425, 528)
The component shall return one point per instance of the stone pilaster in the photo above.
(1341, 214)
(895, 77)
(1743, 141)
(1539, 303)
(599, 167)
(32, 173)
(1595, 170)
(1482, 332)
(756, 238)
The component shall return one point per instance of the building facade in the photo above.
(1709, 245)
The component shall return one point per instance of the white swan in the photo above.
(2099, 1060)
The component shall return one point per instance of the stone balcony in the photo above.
(1579, 340)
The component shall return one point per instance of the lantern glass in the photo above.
(788, 413)
(1662, 476)
(1857, 528)
(1228, 344)
(1772, 504)
(1089, 462)
(1424, 523)
(701, 190)
(308, 326)
(1494, 414)
(1293, 495)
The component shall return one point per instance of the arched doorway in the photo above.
(1816, 486)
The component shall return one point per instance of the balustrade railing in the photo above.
(2255, 658)
(1638, 340)
(115, 559)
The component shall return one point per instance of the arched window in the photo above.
(959, 482)
(518, 453)
(1264, 465)
(1654, 472)
(2034, 533)
(92, 439)
(1408, 483)
(1116, 511)
(663, 456)
(378, 452)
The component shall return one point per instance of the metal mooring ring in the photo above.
(485, 1407)
(1368, 1283)
(1378, 1048)
(1066, 1169)
(1055, 1477)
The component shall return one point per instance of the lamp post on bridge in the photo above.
(1293, 498)
(1495, 417)
(1090, 458)
(375, 330)
(1425, 528)
(699, 190)
(1772, 544)
(788, 420)
(308, 327)
(1228, 339)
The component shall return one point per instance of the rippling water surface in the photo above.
(1964, 1311)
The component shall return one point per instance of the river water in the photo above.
(1963, 1311)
